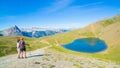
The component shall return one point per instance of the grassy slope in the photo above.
(8, 44)
(107, 30)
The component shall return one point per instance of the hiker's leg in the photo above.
(18, 54)
(25, 54)
(22, 54)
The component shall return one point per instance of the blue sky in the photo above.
(55, 13)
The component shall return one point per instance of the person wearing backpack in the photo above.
(22, 47)
(18, 49)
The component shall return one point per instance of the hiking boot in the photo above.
(22, 57)
(25, 57)
(18, 57)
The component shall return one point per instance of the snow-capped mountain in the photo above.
(32, 32)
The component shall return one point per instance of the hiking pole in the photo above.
(30, 51)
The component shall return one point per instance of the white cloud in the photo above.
(89, 4)
(57, 5)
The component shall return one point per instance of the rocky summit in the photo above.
(13, 31)
(31, 32)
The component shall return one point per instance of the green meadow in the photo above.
(8, 44)
(107, 30)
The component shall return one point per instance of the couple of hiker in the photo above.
(21, 48)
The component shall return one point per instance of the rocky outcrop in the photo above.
(31, 32)
(13, 31)
(40, 32)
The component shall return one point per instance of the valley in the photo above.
(107, 30)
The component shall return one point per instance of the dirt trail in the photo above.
(11, 61)
(38, 59)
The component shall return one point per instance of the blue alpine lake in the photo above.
(87, 45)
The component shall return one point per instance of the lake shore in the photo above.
(50, 58)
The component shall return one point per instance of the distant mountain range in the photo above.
(31, 32)
(107, 30)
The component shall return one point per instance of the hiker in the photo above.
(22, 47)
(18, 49)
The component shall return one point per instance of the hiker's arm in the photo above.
(26, 44)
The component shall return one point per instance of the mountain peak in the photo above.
(16, 26)
(31, 32)
(13, 31)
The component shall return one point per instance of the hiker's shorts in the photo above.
(23, 49)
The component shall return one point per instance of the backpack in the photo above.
(21, 44)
